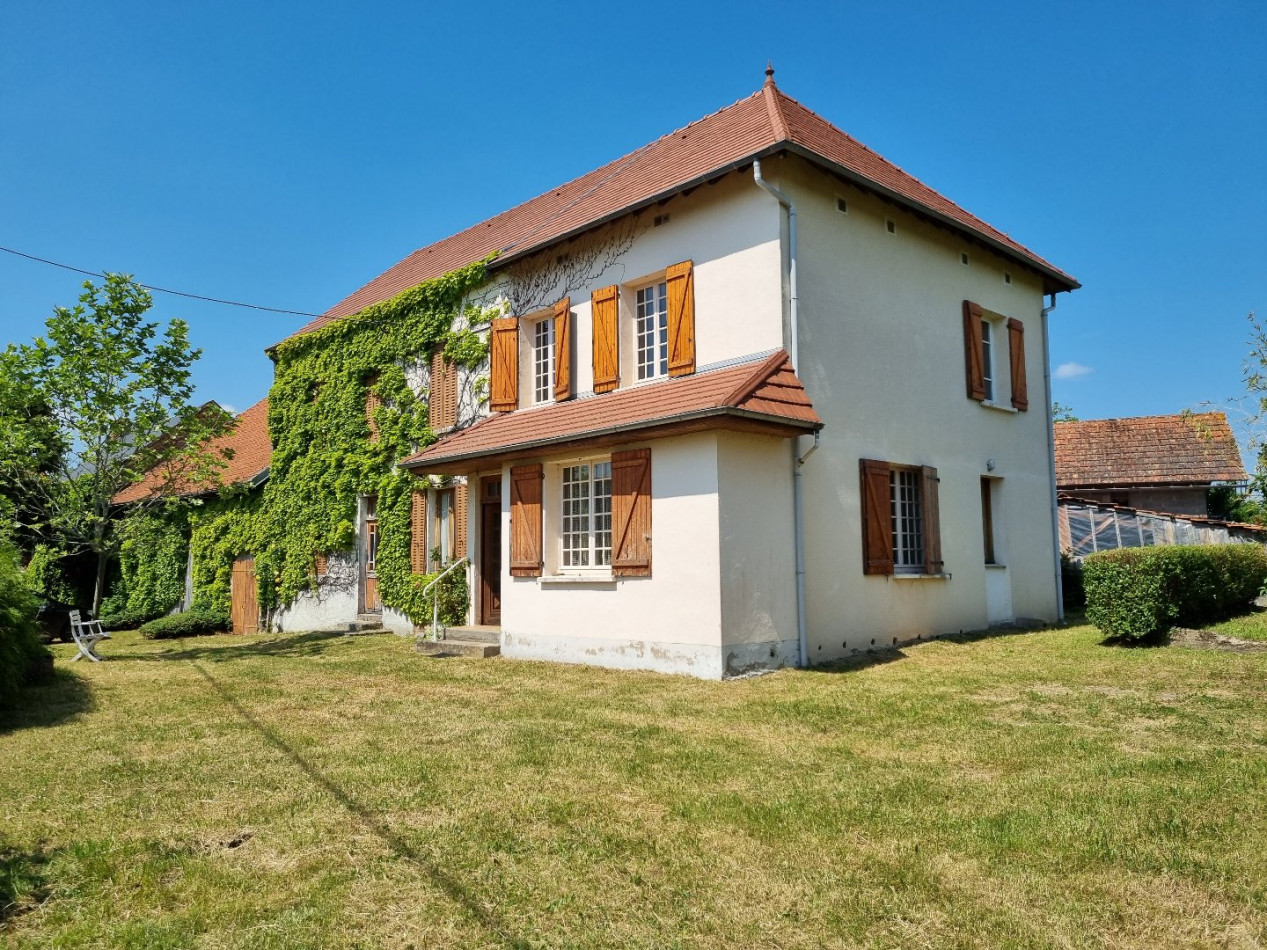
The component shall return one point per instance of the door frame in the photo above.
(490, 573)
(369, 548)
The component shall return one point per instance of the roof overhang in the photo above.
(721, 417)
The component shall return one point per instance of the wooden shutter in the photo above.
(877, 519)
(605, 307)
(372, 403)
(972, 350)
(418, 531)
(442, 400)
(1016, 349)
(504, 365)
(932, 521)
(459, 524)
(681, 293)
(321, 564)
(525, 520)
(563, 382)
(631, 513)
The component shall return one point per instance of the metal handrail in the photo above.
(435, 601)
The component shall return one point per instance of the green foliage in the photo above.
(324, 457)
(1135, 592)
(124, 619)
(106, 399)
(1072, 592)
(221, 531)
(191, 623)
(152, 561)
(20, 645)
(1062, 413)
(1232, 504)
(46, 575)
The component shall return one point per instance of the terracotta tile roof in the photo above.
(252, 453)
(762, 391)
(1147, 450)
(765, 122)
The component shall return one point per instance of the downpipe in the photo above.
(798, 505)
(1051, 460)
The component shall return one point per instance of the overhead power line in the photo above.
(162, 290)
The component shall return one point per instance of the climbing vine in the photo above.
(153, 554)
(325, 454)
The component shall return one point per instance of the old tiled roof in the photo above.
(252, 451)
(761, 391)
(766, 122)
(1188, 449)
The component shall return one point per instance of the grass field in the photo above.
(1032, 790)
(1251, 625)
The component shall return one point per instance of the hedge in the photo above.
(191, 623)
(1134, 592)
(20, 647)
(126, 619)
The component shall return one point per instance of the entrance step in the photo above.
(452, 647)
(476, 633)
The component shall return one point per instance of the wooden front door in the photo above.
(491, 550)
(369, 595)
(244, 604)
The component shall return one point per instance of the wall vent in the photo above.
(841, 205)
(660, 219)
(890, 225)
(1007, 278)
(963, 257)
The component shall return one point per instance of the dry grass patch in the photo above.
(1035, 790)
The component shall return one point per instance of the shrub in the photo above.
(126, 619)
(1134, 592)
(191, 623)
(20, 647)
(1075, 597)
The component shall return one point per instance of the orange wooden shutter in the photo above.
(1016, 349)
(504, 364)
(442, 401)
(321, 564)
(932, 521)
(418, 531)
(563, 382)
(681, 293)
(877, 524)
(973, 358)
(459, 515)
(525, 520)
(372, 403)
(605, 307)
(631, 513)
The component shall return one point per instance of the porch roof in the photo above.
(761, 394)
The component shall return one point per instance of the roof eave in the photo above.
(775, 423)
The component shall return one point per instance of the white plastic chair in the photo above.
(87, 634)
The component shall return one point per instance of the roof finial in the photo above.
(769, 73)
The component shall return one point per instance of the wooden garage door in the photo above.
(242, 592)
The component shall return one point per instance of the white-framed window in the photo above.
(907, 517)
(543, 360)
(444, 541)
(987, 358)
(586, 527)
(651, 329)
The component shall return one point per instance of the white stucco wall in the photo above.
(335, 600)
(670, 621)
(882, 356)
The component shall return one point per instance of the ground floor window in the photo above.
(586, 529)
(907, 520)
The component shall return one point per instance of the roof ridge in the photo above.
(774, 109)
(1159, 415)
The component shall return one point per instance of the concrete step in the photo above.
(355, 626)
(481, 633)
(451, 647)
(374, 618)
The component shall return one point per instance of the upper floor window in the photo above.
(652, 330)
(543, 360)
(987, 358)
(991, 339)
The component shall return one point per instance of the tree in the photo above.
(93, 407)
(1062, 413)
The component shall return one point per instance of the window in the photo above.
(987, 358)
(901, 533)
(652, 330)
(543, 360)
(444, 541)
(907, 519)
(586, 529)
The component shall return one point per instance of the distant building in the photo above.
(1153, 463)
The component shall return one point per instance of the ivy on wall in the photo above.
(153, 555)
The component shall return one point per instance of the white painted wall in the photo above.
(335, 600)
(881, 354)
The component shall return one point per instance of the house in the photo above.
(1155, 463)
(162, 568)
(754, 396)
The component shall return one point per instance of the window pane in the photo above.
(576, 516)
(652, 331)
(602, 513)
(543, 360)
(907, 519)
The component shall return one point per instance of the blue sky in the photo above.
(286, 153)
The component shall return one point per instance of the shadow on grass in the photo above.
(63, 697)
(22, 884)
(865, 659)
(289, 645)
(451, 885)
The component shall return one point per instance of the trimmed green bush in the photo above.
(20, 647)
(1134, 592)
(191, 623)
(126, 619)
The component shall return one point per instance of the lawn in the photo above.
(1031, 790)
(1251, 625)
